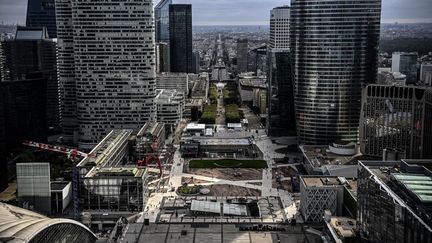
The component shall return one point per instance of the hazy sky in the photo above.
(250, 12)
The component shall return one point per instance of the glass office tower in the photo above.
(334, 46)
(41, 13)
(180, 29)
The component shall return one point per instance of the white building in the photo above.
(170, 106)
(320, 193)
(426, 73)
(406, 63)
(34, 186)
(279, 28)
(106, 62)
(177, 81)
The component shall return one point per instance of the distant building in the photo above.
(320, 193)
(426, 73)
(170, 106)
(406, 63)
(193, 109)
(279, 28)
(394, 202)
(180, 29)
(106, 74)
(42, 13)
(33, 55)
(161, 12)
(391, 78)
(34, 186)
(260, 100)
(242, 55)
(398, 118)
(162, 57)
(334, 45)
(247, 85)
(281, 110)
(176, 81)
(199, 87)
(196, 61)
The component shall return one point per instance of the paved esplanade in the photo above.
(265, 145)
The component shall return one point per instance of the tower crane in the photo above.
(74, 156)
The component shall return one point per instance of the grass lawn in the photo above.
(227, 163)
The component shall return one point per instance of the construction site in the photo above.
(114, 177)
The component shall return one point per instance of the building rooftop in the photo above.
(153, 128)
(224, 141)
(409, 184)
(419, 185)
(107, 152)
(59, 185)
(253, 82)
(18, 225)
(194, 126)
(194, 102)
(329, 181)
(320, 155)
(116, 171)
(215, 207)
(343, 227)
(168, 96)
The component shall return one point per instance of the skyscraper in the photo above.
(242, 55)
(106, 66)
(335, 47)
(180, 30)
(41, 13)
(281, 113)
(393, 201)
(396, 118)
(426, 73)
(32, 54)
(406, 63)
(279, 27)
(161, 12)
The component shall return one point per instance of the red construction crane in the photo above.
(73, 155)
(152, 155)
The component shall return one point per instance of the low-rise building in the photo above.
(398, 118)
(394, 201)
(193, 109)
(173, 81)
(320, 193)
(340, 230)
(247, 86)
(61, 196)
(170, 106)
(337, 159)
(111, 183)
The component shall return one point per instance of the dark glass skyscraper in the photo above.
(334, 46)
(161, 12)
(42, 13)
(180, 29)
(31, 54)
(281, 112)
(242, 55)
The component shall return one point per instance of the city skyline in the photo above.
(257, 13)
